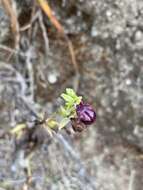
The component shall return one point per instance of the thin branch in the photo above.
(48, 11)
(14, 51)
(18, 77)
(30, 70)
(10, 8)
(46, 41)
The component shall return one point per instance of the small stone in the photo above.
(118, 45)
(118, 30)
(108, 13)
(52, 78)
(105, 35)
(128, 82)
(94, 32)
(138, 35)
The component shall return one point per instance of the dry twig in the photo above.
(48, 11)
(10, 8)
(44, 33)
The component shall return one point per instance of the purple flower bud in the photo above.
(85, 113)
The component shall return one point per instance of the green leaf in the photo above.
(78, 100)
(69, 105)
(63, 111)
(67, 98)
(52, 123)
(71, 100)
(64, 122)
(71, 92)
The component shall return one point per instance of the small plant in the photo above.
(74, 112)
(77, 112)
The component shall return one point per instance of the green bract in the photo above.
(71, 100)
(70, 97)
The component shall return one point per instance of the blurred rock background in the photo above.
(107, 36)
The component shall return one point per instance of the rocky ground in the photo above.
(107, 36)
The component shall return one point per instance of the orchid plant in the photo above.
(74, 111)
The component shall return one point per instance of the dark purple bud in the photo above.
(85, 113)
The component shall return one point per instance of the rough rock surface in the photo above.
(108, 40)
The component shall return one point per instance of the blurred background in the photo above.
(100, 55)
